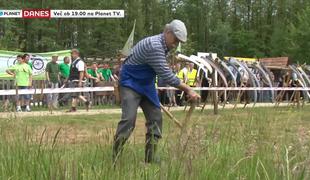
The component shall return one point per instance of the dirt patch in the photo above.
(7, 115)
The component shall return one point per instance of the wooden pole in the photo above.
(42, 95)
(171, 116)
(298, 99)
(215, 93)
(292, 98)
(189, 114)
(203, 106)
(286, 81)
(117, 93)
(16, 97)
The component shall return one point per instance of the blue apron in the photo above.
(140, 78)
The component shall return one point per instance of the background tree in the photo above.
(249, 28)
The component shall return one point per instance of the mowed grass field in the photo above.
(258, 143)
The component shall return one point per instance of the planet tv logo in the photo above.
(10, 13)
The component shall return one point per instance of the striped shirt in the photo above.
(153, 51)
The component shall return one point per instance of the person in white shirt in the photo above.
(77, 79)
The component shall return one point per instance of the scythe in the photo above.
(254, 81)
(267, 78)
(303, 83)
(204, 66)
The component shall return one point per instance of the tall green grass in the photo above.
(260, 143)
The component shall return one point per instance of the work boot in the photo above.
(150, 151)
(117, 147)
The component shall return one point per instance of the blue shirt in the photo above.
(152, 51)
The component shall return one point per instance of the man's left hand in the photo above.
(193, 96)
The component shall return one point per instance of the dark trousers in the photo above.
(204, 94)
(163, 97)
(245, 97)
(63, 97)
(130, 103)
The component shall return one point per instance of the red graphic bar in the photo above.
(36, 13)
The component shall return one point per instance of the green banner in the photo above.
(38, 60)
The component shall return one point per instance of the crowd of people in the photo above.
(72, 72)
(188, 75)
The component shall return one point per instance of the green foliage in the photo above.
(228, 27)
(300, 37)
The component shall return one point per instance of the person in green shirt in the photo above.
(106, 73)
(23, 78)
(65, 68)
(93, 73)
(53, 79)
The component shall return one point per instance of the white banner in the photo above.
(38, 60)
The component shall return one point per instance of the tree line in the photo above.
(247, 28)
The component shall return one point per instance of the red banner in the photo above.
(36, 13)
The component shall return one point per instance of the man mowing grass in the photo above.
(137, 86)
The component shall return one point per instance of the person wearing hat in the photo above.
(137, 86)
(52, 74)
